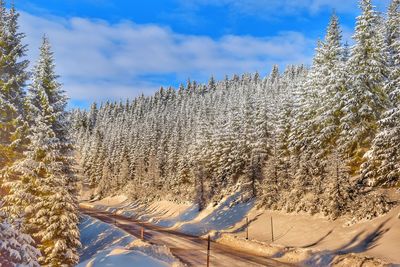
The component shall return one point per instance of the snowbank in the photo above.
(106, 245)
(300, 256)
(119, 256)
(377, 238)
(97, 236)
(184, 218)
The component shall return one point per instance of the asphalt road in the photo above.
(191, 250)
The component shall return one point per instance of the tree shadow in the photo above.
(224, 216)
(319, 240)
(283, 234)
(357, 244)
(368, 242)
(243, 227)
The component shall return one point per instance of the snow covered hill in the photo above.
(299, 238)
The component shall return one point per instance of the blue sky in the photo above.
(117, 49)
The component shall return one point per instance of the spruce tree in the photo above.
(13, 77)
(365, 99)
(47, 188)
(332, 86)
(383, 167)
(338, 195)
(305, 127)
(16, 248)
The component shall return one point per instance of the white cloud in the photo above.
(99, 60)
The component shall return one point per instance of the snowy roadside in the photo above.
(346, 246)
(184, 218)
(106, 245)
(300, 256)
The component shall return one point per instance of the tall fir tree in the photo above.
(56, 213)
(16, 247)
(46, 193)
(13, 76)
(332, 87)
(383, 167)
(365, 99)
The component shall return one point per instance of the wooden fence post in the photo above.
(272, 230)
(208, 250)
(247, 227)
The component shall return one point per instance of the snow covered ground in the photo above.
(184, 218)
(106, 245)
(316, 239)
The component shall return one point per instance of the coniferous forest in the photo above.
(320, 139)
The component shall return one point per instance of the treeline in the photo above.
(38, 205)
(323, 139)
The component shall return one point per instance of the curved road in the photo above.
(191, 250)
